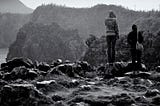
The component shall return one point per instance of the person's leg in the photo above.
(113, 48)
(133, 53)
(109, 48)
(139, 54)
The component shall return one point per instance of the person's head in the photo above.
(134, 27)
(111, 14)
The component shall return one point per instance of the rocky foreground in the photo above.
(27, 83)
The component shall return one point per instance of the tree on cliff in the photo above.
(46, 43)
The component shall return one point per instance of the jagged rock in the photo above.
(86, 87)
(80, 104)
(122, 100)
(43, 66)
(156, 101)
(57, 62)
(57, 98)
(20, 72)
(70, 84)
(22, 94)
(49, 86)
(138, 88)
(2, 83)
(116, 69)
(1, 75)
(155, 76)
(152, 93)
(66, 69)
(31, 74)
(132, 67)
(55, 71)
(145, 75)
(17, 62)
(60, 103)
(158, 69)
(141, 99)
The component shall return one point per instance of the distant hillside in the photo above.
(9, 26)
(46, 43)
(86, 20)
(89, 20)
(14, 6)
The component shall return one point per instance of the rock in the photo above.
(32, 74)
(140, 67)
(156, 101)
(122, 100)
(155, 77)
(55, 71)
(141, 99)
(57, 98)
(80, 104)
(140, 74)
(158, 69)
(20, 72)
(152, 93)
(116, 69)
(22, 94)
(17, 62)
(66, 69)
(70, 84)
(43, 66)
(86, 87)
(2, 83)
(57, 62)
(138, 88)
(49, 86)
(60, 103)
(89, 100)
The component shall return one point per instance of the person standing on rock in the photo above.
(133, 37)
(112, 34)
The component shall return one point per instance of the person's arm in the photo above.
(116, 30)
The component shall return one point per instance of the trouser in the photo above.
(111, 42)
(136, 56)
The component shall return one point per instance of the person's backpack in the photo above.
(139, 46)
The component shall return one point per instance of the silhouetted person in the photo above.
(132, 41)
(112, 34)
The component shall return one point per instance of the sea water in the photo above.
(3, 55)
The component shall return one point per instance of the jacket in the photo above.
(132, 38)
(111, 27)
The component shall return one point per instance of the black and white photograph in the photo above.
(79, 52)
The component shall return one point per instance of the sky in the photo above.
(131, 4)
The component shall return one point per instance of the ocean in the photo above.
(3, 55)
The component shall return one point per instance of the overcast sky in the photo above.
(131, 4)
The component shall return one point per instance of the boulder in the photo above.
(17, 62)
(140, 74)
(43, 66)
(116, 69)
(123, 100)
(22, 95)
(155, 76)
(57, 98)
(156, 101)
(49, 86)
(20, 72)
(57, 62)
(157, 69)
(152, 93)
